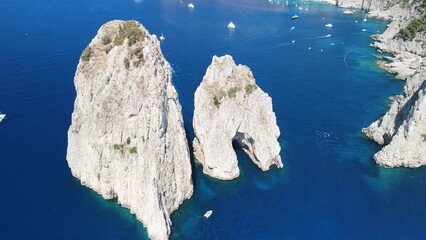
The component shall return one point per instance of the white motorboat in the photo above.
(295, 17)
(348, 12)
(162, 38)
(2, 116)
(364, 20)
(208, 213)
(329, 25)
(328, 35)
(191, 5)
(231, 25)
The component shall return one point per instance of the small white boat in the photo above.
(329, 25)
(300, 8)
(231, 25)
(309, 48)
(364, 30)
(191, 5)
(364, 20)
(295, 17)
(2, 116)
(293, 41)
(328, 35)
(208, 213)
(348, 12)
(162, 38)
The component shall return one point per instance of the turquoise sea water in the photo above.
(329, 188)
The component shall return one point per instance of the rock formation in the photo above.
(127, 140)
(231, 108)
(403, 128)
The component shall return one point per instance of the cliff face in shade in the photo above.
(230, 107)
(126, 139)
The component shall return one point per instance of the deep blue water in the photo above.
(329, 188)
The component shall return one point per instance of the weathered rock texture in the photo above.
(230, 107)
(127, 140)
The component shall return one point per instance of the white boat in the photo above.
(295, 17)
(231, 25)
(2, 116)
(162, 38)
(191, 5)
(348, 12)
(293, 41)
(364, 20)
(208, 213)
(329, 25)
(328, 35)
(364, 30)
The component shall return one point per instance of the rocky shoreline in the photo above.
(402, 130)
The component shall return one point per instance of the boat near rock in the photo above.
(348, 12)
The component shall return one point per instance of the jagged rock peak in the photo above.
(126, 139)
(231, 108)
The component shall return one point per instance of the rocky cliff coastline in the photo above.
(231, 109)
(126, 140)
(402, 130)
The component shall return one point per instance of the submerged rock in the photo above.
(126, 139)
(231, 108)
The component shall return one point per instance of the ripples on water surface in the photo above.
(329, 187)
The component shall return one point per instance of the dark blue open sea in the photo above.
(330, 187)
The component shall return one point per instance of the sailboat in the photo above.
(162, 38)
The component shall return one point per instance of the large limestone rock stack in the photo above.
(231, 108)
(127, 140)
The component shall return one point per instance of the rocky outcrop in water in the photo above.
(231, 108)
(127, 140)
(403, 128)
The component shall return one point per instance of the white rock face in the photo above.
(230, 107)
(127, 140)
(403, 128)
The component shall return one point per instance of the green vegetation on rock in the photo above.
(424, 137)
(133, 150)
(128, 140)
(232, 92)
(87, 53)
(126, 62)
(415, 26)
(106, 40)
(131, 31)
(250, 88)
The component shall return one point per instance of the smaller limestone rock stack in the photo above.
(231, 108)
(126, 139)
